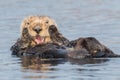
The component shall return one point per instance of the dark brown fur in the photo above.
(59, 46)
(93, 46)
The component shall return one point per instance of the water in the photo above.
(75, 18)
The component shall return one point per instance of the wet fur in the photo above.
(26, 40)
(93, 47)
(58, 46)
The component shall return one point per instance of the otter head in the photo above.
(38, 28)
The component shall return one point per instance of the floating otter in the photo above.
(40, 37)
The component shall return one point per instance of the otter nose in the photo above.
(37, 29)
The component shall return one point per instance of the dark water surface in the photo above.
(75, 18)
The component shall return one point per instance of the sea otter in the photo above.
(40, 37)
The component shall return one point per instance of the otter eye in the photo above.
(27, 23)
(47, 22)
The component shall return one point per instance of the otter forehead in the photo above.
(47, 19)
(39, 20)
(42, 21)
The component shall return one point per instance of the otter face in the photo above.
(38, 28)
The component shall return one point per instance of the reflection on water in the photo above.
(30, 62)
(88, 61)
(75, 18)
(48, 66)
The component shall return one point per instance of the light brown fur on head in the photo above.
(43, 23)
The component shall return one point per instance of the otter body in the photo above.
(40, 37)
(76, 49)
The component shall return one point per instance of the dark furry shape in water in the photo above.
(52, 50)
(33, 41)
(81, 48)
(93, 46)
